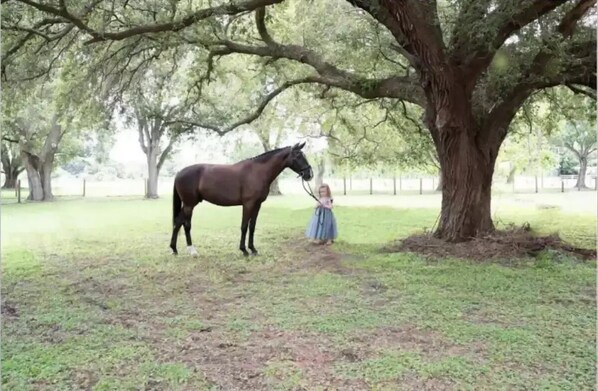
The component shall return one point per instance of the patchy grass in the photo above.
(91, 299)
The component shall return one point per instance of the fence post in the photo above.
(344, 185)
(83, 187)
(351, 183)
(394, 185)
(371, 186)
(421, 183)
(400, 183)
(536, 182)
(562, 185)
(19, 191)
(513, 184)
(145, 186)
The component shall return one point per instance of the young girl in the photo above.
(322, 227)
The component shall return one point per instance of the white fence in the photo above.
(73, 187)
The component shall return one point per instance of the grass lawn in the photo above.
(91, 299)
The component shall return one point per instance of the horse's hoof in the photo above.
(254, 253)
(245, 253)
(192, 251)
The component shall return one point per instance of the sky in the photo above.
(208, 149)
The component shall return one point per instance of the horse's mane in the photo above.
(264, 157)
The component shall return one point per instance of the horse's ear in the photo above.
(300, 146)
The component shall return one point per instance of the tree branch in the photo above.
(476, 49)
(404, 88)
(173, 26)
(581, 70)
(582, 91)
(10, 140)
(166, 152)
(415, 26)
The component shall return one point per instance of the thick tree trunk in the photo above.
(275, 188)
(152, 172)
(11, 176)
(46, 179)
(466, 194)
(583, 169)
(36, 191)
(10, 182)
(11, 164)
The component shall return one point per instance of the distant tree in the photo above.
(12, 165)
(579, 138)
(567, 166)
(575, 117)
(155, 105)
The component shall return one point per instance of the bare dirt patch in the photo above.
(315, 257)
(8, 310)
(414, 339)
(514, 243)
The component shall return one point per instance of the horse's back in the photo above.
(218, 184)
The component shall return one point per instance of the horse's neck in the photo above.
(274, 167)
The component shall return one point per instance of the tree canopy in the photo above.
(470, 65)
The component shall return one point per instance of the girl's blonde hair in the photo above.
(325, 186)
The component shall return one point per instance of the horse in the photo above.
(245, 183)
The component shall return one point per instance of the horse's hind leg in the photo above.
(252, 223)
(178, 222)
(247, 209)
(188, 214)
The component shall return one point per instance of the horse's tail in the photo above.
(176, 204)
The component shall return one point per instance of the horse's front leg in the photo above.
(247, 209)
(252, 222)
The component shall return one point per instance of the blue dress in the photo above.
(322, 225)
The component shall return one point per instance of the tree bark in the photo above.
(11, 175)
(39, 166)
(466, 194)
(583, 169)
(152, 172)
(12, 166)
(36, 191)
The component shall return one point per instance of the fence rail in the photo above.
(399, 185)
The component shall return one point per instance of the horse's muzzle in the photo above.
(307, 174)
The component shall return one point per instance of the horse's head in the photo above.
(297, 162)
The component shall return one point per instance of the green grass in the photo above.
(92, 300)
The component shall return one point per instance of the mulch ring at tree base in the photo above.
(513, 243)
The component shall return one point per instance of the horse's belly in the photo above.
(221, 198)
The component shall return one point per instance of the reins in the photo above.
(309, 191)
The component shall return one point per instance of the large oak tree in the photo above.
(470, 64)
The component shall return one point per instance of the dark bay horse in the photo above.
(244, 183)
